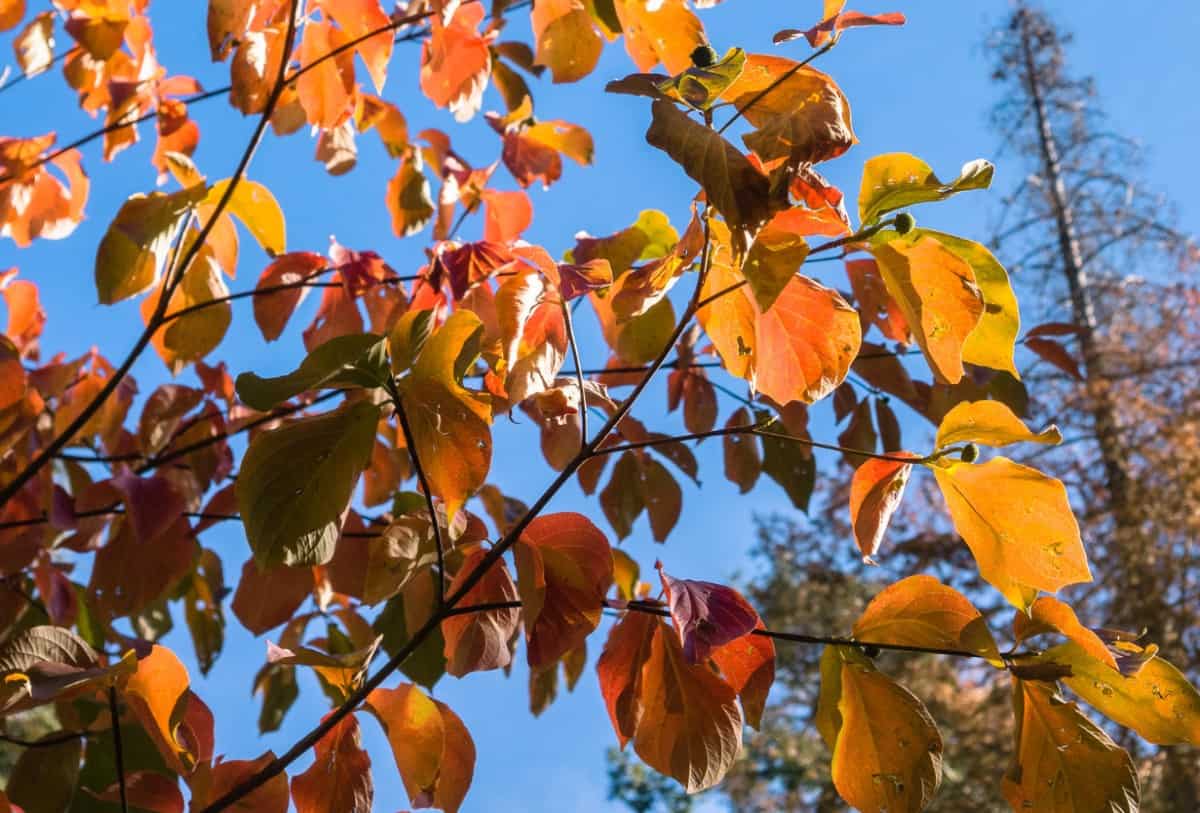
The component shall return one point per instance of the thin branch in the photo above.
(411, 443)
(583, 405)
(119, 752)
(24, 77)
(45, 742)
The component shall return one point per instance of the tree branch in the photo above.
(119, 752)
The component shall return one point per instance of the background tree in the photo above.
(377, 541)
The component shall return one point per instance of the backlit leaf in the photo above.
(345, 361)
(1157, 701)
(478, 641)
(255, 206)
(449, 423)
(706, 615)
(1063, 762)
(340, 776)
(896, 180)
(990, 423)
(875, 493)
(135, 246)
(665, 32)
(1018, 524)
(157, 695)
(296, 481)
(937, 292)
(564, 570)
(921, 611)
(566, 37)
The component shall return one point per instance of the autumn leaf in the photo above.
(340, 776)
(264, 599)
(896, 180)
(938, 295)
(1018, 524)
(690, 727)
(665, 32)
(875, 493)
(733, 185)
(357, 18)
(1048, 614)
(326, 91)
(296, 481)
(154, 693)
(799, 350)
(256, 208)
(134, 249)
(271, 797)
(921, 611)
(280, 290)
(706, 615)
(564, 570)
(1156, 701)
(887, 753)
(990, 423)
(449, 423)
(345, 361)
(455, 61)
(1063, 761)
(478, 641)
(800, 114)
(566, 39)
(433, 750)
(834, 25)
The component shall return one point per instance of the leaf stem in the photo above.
(583, 405)
(758, 97)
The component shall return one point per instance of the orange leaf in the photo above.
(340, 776)
(875, 493)
(358, 18)
(564, 570)
(11, 12)
(748, 666)
(456, 62)
(326, 91)
(888, 753)
(1056, 354)
(800, 350)
(665, 32)
(33, 202)
(505, 215)
(271, 797)
(937, 293)
(921, 611)
(566, 38)
(1063, 762)
(26, 317)
(274, 304)
(154, 694)
(1048, 613)
(620, 671)
(433, 750)
(691, 726)
(478, 641)
(266, 599)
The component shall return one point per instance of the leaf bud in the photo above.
(969, 453)
(704, 55)
(871, 651)
(905, 223)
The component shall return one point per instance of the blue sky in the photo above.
(923, 89)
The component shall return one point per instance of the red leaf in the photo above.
(564, 570)
(505, 215)
(818, 34)
(706, 615)
(875, 493)
(265, 600)
(340, 776)
(748, 664)
(274, 303)
(476, 642)
(1054, 353)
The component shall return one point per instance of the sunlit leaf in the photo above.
(896, 180)
(990, 423)
(875, 493)
(921, 611)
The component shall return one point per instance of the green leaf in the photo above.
(358, 360)
(136, 245)
(701, 87)
(296, 481)
(895, 180)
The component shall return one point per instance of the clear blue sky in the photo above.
(922, 89)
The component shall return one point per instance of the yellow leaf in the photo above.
(1157, 701)
(938, 295)
(567, 40)
(1049, 614)
(895, 180)
(1063, 762)
(888, 753)
(1018, 524)
(665, 32)
(254, 205)
(991, 423)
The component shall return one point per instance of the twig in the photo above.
(758, 97)
(411, 443)
(583, 405)
(45, 742)
(118, 750)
